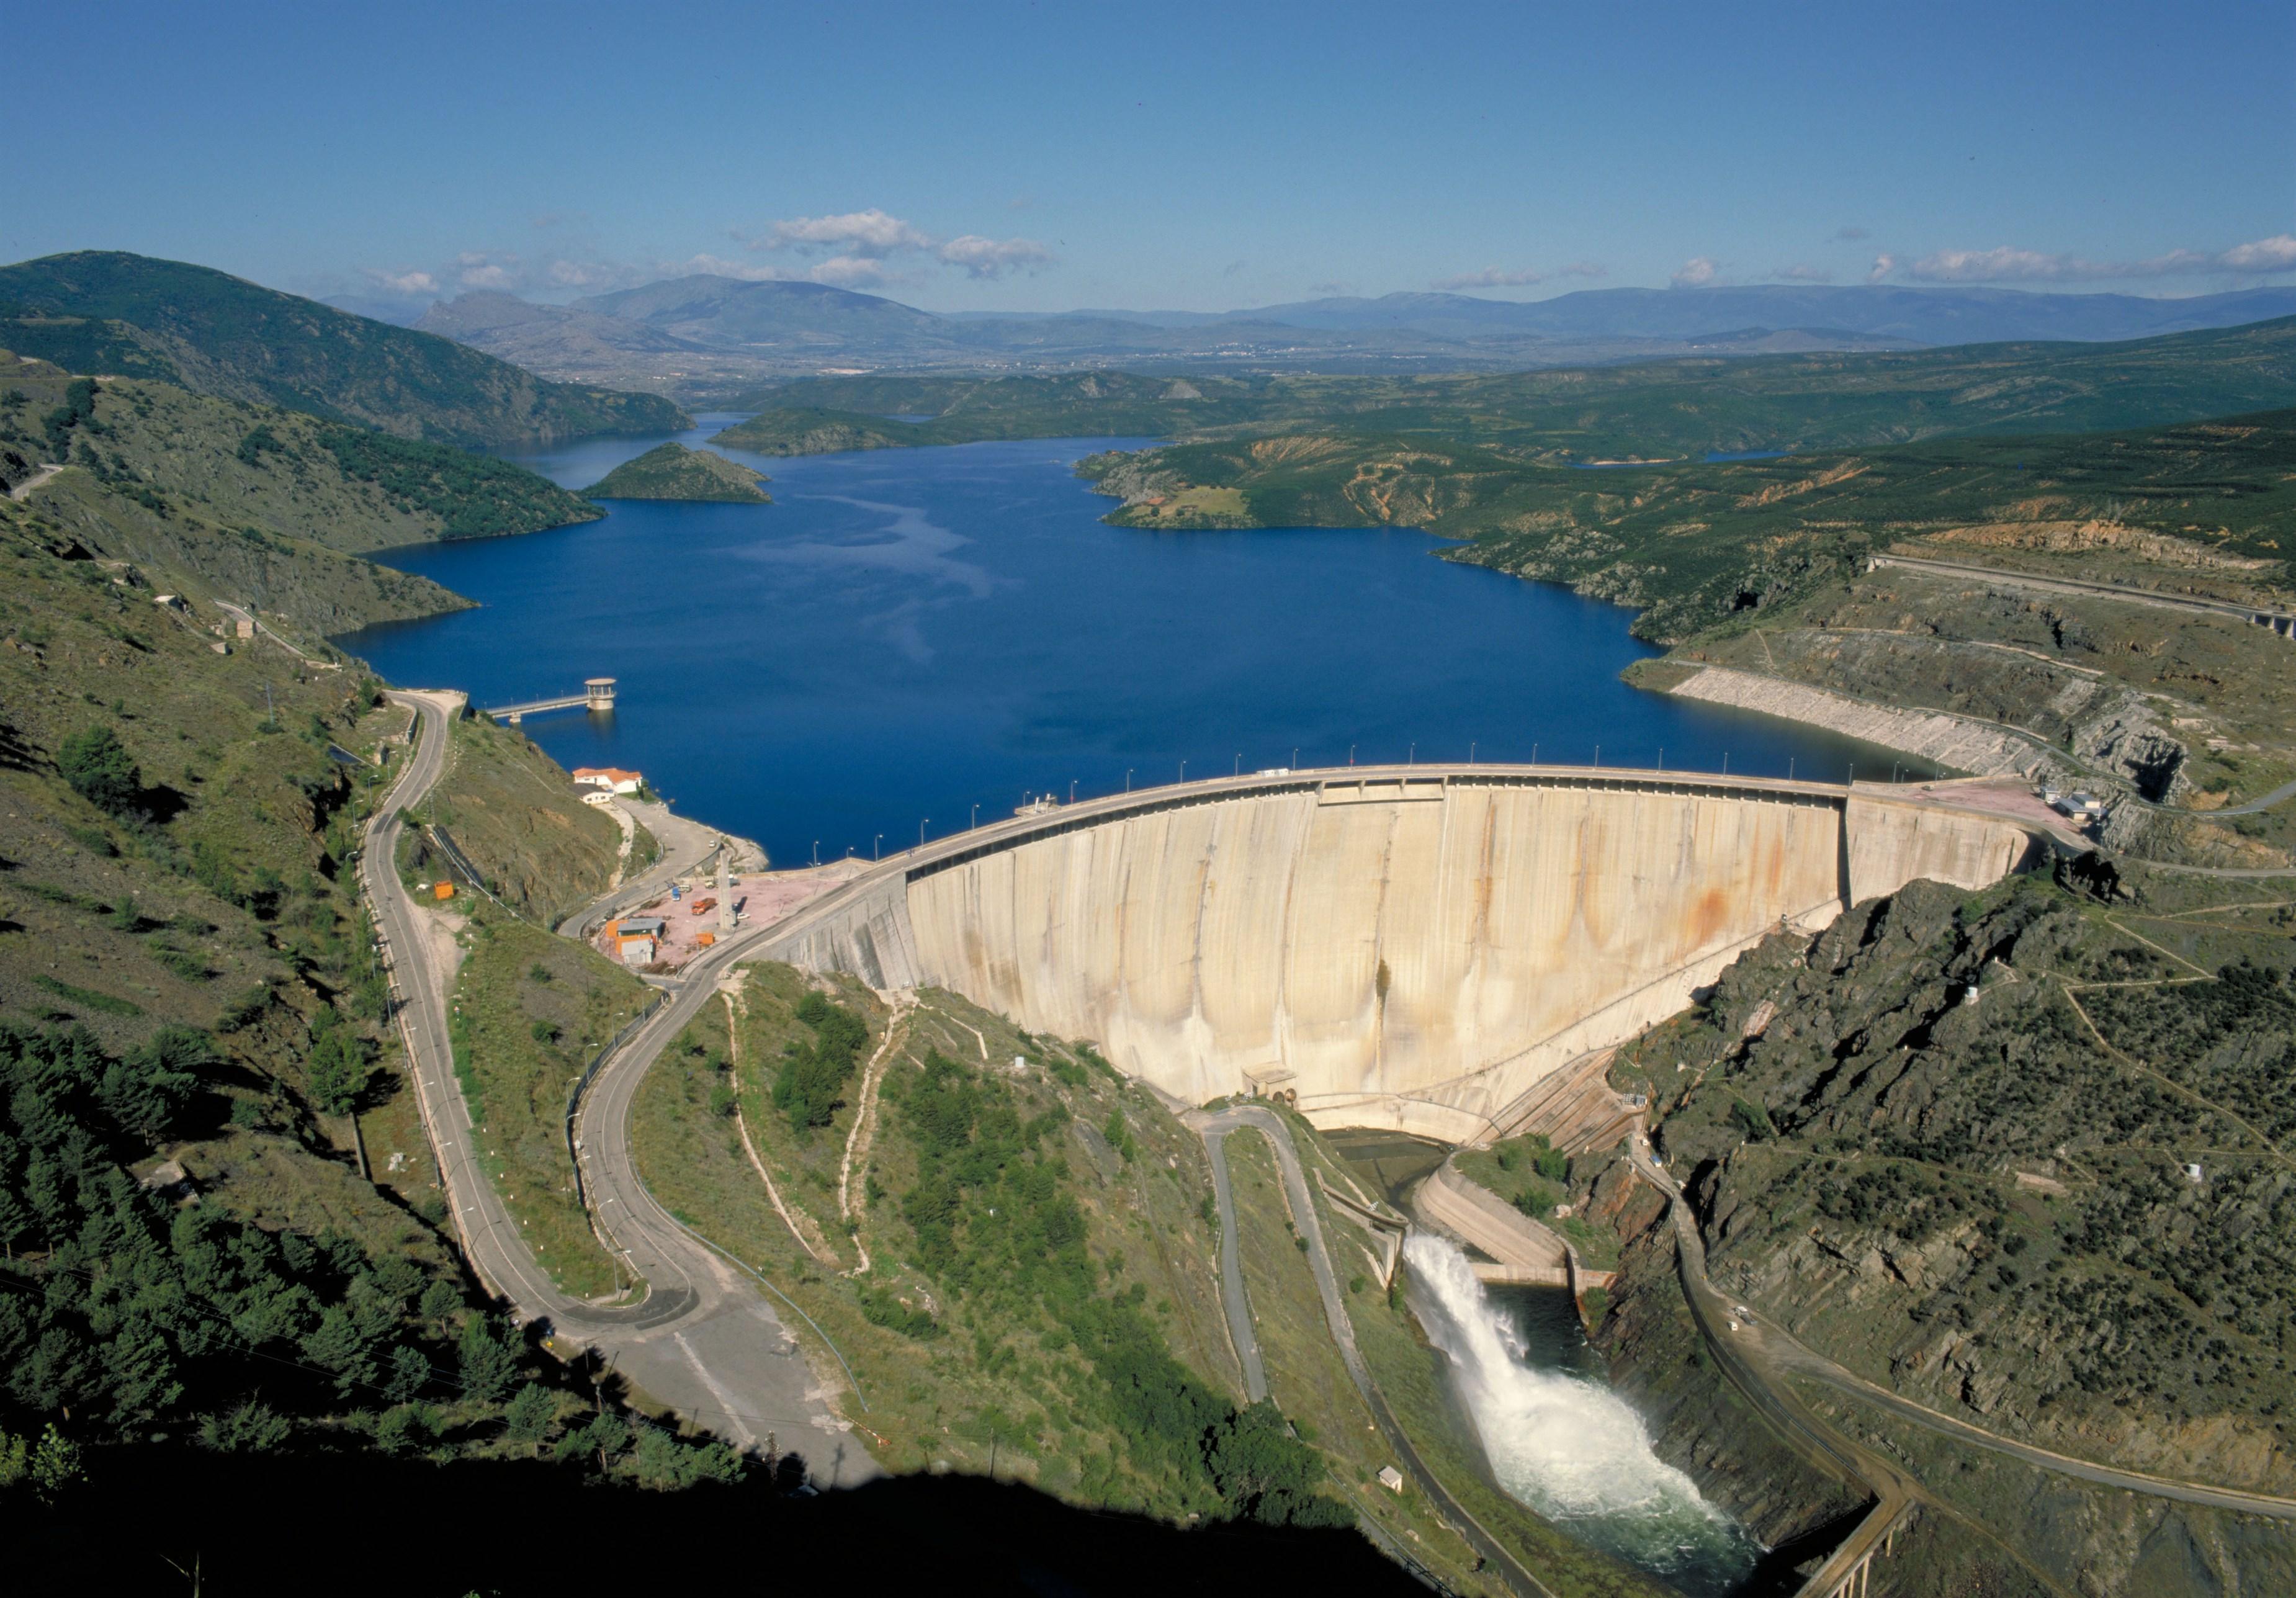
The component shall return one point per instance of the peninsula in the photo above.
(673, 471)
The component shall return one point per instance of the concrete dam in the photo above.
(1410, 948)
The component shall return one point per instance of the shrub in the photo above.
(101, 771)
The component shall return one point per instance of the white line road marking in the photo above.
(724, 1398)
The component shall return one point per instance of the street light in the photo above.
(1128, 779)
(1239, 765)
(1295, 757)
(1661, 757)
(1184, 771)
(1470, 751)
(921, 832)
(976, 817)
(1072, 782)
(816, 852)
(1411, 757)
(1351, 754)
(877, 850)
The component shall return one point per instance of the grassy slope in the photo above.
(109, 312)
(514, 813)
(999, 1370)
(1654, 410)
(521, 1042)
(256, 505)
(235, 915)
(673, 471)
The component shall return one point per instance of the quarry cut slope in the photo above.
(1412, 950)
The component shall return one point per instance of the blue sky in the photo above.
(1018, 156)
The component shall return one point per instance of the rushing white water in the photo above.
(1570, 1448)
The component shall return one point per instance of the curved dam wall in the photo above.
(1416, 951)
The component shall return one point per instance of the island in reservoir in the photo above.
(673, 471)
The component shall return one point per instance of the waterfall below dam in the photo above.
(1567, 1446)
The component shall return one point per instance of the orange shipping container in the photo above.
(445, 890)
(704, 939)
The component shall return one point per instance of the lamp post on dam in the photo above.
(597, 697)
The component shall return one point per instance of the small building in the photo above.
(609, 779)
(1390, 1479)
(642, 926)
(637, 951)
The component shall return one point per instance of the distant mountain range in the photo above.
(108, 312)
(704, 336)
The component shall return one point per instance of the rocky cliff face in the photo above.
(2015, 1155)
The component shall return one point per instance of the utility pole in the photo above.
(877, 850)
(921, 832)
(1128, 779)
(976, 817)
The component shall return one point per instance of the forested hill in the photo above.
(104, 312)
(214, 499)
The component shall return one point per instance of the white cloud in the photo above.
(401, 283)
(993, 257)
(1498, 277)
(857, 242)
(2008, 265)
(1883, 265)
(846, 271)
(1696, 273)
(2275, 254)
(476, 269)
(871, 233)
(1803, 274)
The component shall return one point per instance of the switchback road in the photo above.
(701, 1339)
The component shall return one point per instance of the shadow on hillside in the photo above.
(352, 1524)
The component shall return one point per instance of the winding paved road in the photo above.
(701, 1339)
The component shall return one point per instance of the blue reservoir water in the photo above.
(905, 635)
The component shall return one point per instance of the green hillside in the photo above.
(1660, 410)
(1700, 542)
(673, 471)
(107, 312)
(253, 504)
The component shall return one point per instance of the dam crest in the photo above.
(1413, 948)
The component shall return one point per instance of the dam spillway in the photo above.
(1414, 950)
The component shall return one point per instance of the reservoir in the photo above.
(905, 635)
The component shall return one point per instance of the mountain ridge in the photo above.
(112, 312)
(703, 335)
